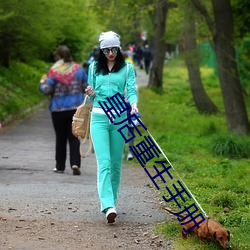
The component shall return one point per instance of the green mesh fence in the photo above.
(208, 58)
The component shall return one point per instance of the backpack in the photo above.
(81, 126)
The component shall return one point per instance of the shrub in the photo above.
(224, 200)
(231, 146)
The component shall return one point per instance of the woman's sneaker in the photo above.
(129, 156)
(76, 170)
(111, 215)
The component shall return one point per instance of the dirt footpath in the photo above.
(40, 209)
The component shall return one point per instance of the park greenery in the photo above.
(29, 35)
(213, 161)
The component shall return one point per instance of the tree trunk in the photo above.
(223, 38)
(201, 99)
(156, 71)
(235, 109)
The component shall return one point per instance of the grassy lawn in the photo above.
(19, 87)
(214, 164)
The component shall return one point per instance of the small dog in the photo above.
(208, 230)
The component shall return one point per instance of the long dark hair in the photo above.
(101, 63)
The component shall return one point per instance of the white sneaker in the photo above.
(129, 156)
(58, 171)
(111, 214)
(136, 123)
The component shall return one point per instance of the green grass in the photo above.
(231, 146)
(214, 164)
(19, 87)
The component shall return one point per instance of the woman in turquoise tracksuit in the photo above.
(108, 75)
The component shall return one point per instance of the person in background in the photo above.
(128, 58)
(107, 76)
(92, 56)
(139, 56)
(65, 83)
(147, 54)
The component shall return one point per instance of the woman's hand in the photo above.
(134, 108)
(90, 91)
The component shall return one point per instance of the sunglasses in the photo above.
(106, 51)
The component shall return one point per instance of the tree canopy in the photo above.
(27, 32)
(32, 30)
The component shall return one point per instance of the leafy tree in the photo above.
(23, 33)
(78, 29)
(156, 72)
(175, 24)
(241, 18)
(28, 33)
(126, 17)
(221, 28)
(201, 99)
(242, 33)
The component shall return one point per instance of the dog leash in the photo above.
(198, 204)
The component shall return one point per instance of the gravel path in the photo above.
(43, 210)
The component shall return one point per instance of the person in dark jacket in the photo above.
(147, 54)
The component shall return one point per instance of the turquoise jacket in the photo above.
(108, 85)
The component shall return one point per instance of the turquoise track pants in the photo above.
(108, 145)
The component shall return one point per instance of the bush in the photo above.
(231, 146)
(224, 200)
